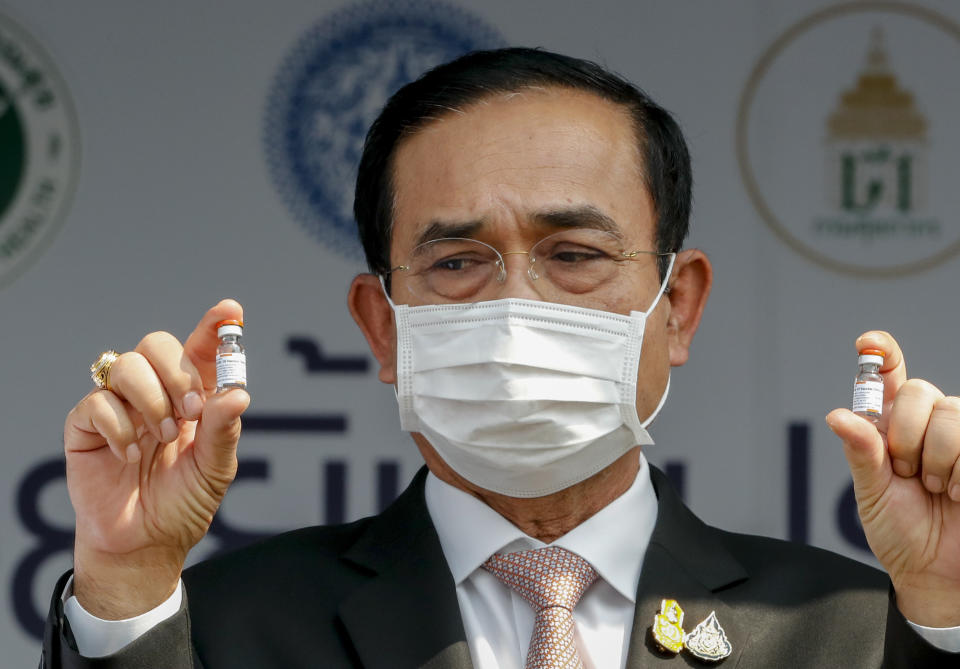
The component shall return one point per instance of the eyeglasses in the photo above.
(571, 266)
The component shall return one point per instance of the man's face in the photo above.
(512, 168)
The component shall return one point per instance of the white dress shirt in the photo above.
(97, 637)
(498, 622)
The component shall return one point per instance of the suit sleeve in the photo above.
(166, 645)
(904, 648)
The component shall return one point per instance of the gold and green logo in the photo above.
(847, 142)
(39, 158)
(876, 157)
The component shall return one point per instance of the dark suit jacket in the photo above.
(378, 593)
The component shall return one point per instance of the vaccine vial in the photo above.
(231, 358)
(868, 387)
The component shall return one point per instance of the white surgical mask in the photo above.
(522, 397)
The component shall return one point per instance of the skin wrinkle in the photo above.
(551, 220)
(427, 234)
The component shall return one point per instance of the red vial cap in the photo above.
(230, 322)
(866, 351)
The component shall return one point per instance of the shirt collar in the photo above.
(613, 540)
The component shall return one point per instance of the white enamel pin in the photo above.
(708, 641)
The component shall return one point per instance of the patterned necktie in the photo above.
(552, 580)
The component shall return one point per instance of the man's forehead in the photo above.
(551, 158)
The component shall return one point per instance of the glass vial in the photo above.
(868, 386)
(231, 358)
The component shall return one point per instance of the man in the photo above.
(522, 214)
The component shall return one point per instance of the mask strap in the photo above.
(663, 285)
(383, 284)
(656, 300)
(404, 386)
(663, 400)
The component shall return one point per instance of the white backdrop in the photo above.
(176, 206)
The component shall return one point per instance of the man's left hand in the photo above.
(906, 475)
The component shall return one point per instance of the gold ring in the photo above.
(100, 370)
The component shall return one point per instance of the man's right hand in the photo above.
(148, 462)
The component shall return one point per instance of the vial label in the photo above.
(868, 397)
(231, 370)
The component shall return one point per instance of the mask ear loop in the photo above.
(663, 400)
(663, 284)
(383, 284)
(666, 391)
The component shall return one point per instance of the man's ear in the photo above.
(370, 309)
(689, 290)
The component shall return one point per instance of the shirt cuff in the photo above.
(942, 638)
(97, 637)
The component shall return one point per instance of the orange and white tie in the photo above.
(552, 580)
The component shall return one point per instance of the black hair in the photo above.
(479, 74)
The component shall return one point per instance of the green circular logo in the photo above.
(41, 150)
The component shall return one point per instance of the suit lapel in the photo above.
(407, 614)
(686, 562)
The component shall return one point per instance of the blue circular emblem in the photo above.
(330, 88)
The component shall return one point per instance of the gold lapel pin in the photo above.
(708, 641)
(667, 628)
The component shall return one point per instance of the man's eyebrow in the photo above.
(443, 229)
(586, 216)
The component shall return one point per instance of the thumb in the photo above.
(215, 443)
(865, 450)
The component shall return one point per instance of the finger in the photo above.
(953, 485)
(941, 444)
(865, 452)
(134, 380)
(217, 435)
(201, 345)
(178, 375)
(894, 367)
(100, 419)
(144, 447)
(908, 418)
